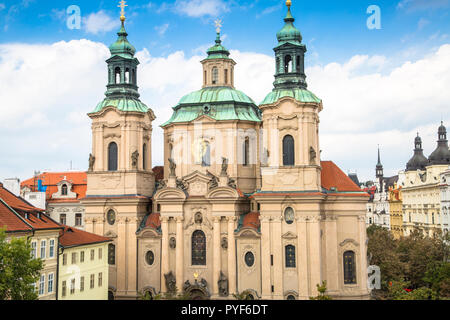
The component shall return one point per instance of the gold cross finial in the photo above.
(122, 6)
(196, 275)
(289, 3)
(218, 23)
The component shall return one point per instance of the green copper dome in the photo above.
(122, 47)
(289, 33)
(218, 51)
(301, 95)
(218, 103)
(122, 104)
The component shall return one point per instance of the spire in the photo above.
(441, 155)
(379, 160)
(218, 51)
(418, 161)
(379, 167)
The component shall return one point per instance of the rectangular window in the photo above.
(51, 250)
(64, 288)
(34, 249)
(81, 284)
(100, 279)
(82, 256)
(78, 219)
(43, 249)
(100, 253)
(271, 259)
(50, 283)
(64, 259)
(92, 254)
(92, 281)
(72, 286)
(62, 218)
(74, 258)
(42, 285)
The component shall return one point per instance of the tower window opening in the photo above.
(112, 156)
(297, 65)
(226, 76)
(127, 75)
(246, 151)
(288, 151)
(278, 65)
(215, 75)
(144, 157)
(117, 75)
(287, 64)
(134, 76)
(205, 77)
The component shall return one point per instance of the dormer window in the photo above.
(64, 190)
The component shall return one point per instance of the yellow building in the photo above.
(83, 266)
(396, 210)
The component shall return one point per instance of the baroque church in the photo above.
(245, 203)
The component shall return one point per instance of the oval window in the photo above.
(289, 215)
(149, 258)
(111, 217)
(249, 259)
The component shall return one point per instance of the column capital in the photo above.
(217, 219)
(164, 219)
(265, 218)
(179, 219)
(231, 219)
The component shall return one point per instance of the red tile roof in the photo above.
(159, 173)
(15, 213)
(51, 179)
(333, 177)
(153, 221)
(72, 237)
(251, 220)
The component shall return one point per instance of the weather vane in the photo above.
(218, 23)
(122, 6)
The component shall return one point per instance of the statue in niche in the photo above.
(171, 283)
(224, 167)
(134, 159)
(173, 243)
(312, 155)
(224, 243)
(91, 162)
(198, 218)
(172, 167)
(223, 285)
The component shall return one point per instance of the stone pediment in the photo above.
(348, 241)
(170, 194)
(223, 193)
(248, 233)
(289, 235)
(198, 183)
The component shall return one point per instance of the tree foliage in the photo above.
(18, 270)
(321, 289)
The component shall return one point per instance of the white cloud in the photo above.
(45, 125)
(2, 6)
(414, 5)
(162, 29)
(422, 23)
(200, 8)
(99, 22)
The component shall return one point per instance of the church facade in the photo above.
(245, 204)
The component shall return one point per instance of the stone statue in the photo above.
(134, 159)
(312, 155)
(172, 167)
(198, 218)
(181, 184)
(232, 183)
(224, 243)
(161, 184)
(171, 283)
(186, 285)
(173, 243)
(203, 283)
(223, 285)
(214, 182)
(91, 162)
(224, 167)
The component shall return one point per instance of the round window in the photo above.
(249, 259)
(289, 215)
(290, 297)
(149, 258)
(111, 217)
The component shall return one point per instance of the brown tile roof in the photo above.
(153, 221)
(11, 221)
(72, 237)
(251, 220)
(51, 179)
(17, 203)
(159, 173)
(333, 177)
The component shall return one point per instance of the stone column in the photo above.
(315, 258)
(303, 277)
(120, 256)
(180, 254)
(231, 256)
(131, 255)
(265, 258)
(278, 260)
(363, 254)
(332, 274)
(164, 252)
(216, 256)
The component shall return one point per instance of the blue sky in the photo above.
(378, 86)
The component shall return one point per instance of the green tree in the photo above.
(18, 270)
(321, 289)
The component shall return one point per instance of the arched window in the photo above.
(349, 267)
(64, 190)
(111, 254)
(297, 65)
(287, 64)
(226, 76)
(117, 75)
(198, 248)
(290, 256)
(127, 75)
(288, 151)
(205, 77)
(246, 151)
(112, 156)
(215, 75)
(144, 157)
(206, 154)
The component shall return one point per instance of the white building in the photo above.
(445, 200)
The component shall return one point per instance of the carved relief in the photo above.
(223, 285)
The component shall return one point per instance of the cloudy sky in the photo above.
(379, 86)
